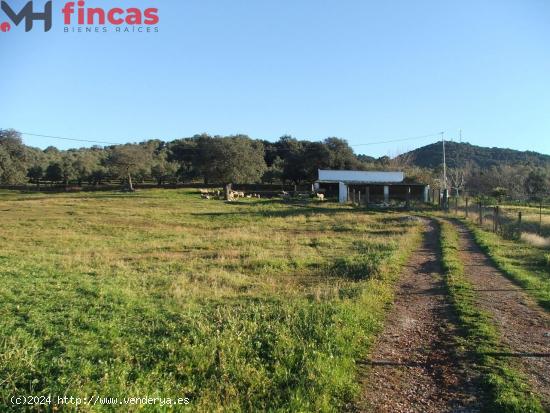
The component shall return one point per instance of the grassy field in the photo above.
(250, 306)
(534, 222)
(534, 219)
(526, 265)
(508, 390)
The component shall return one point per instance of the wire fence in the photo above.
(509, 221)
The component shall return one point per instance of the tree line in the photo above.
(201, 158)
(241, 159)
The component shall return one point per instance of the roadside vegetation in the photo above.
(507, 388)
(250, 306)
(525, 264)
(535, 220)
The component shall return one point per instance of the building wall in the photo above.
(396, 192)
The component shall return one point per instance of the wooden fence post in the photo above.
(359, 198)
(480, 213)
(540, 218)
(367, 196)
(456, 205)
(466, 207)
(519, 224)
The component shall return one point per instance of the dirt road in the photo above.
(524, 327)
(414, 366)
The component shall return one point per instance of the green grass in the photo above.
(526, 265)
(251, 306)
(507, 388)
(531, 218)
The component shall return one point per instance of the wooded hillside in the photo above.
(431, 156)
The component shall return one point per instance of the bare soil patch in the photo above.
(414, 366)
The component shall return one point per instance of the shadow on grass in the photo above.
(297, 210)
(359, 267)
(34, 195)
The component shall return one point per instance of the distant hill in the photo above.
(431, 156)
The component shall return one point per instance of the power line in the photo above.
(399, 139)
(118, 143)
(69, 139)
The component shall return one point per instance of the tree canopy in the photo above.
(13, 157)
(240, 159)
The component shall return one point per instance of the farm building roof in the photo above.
(361, 176)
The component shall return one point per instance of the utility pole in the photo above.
(445, 192)
(459, 173)
(444, 162)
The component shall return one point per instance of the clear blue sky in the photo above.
(360, 70)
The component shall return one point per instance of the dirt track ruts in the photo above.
(413, 366)
(524, 327)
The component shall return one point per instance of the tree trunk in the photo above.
(38, 184)
(227, 191)
(66, 183)
(130, 185)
